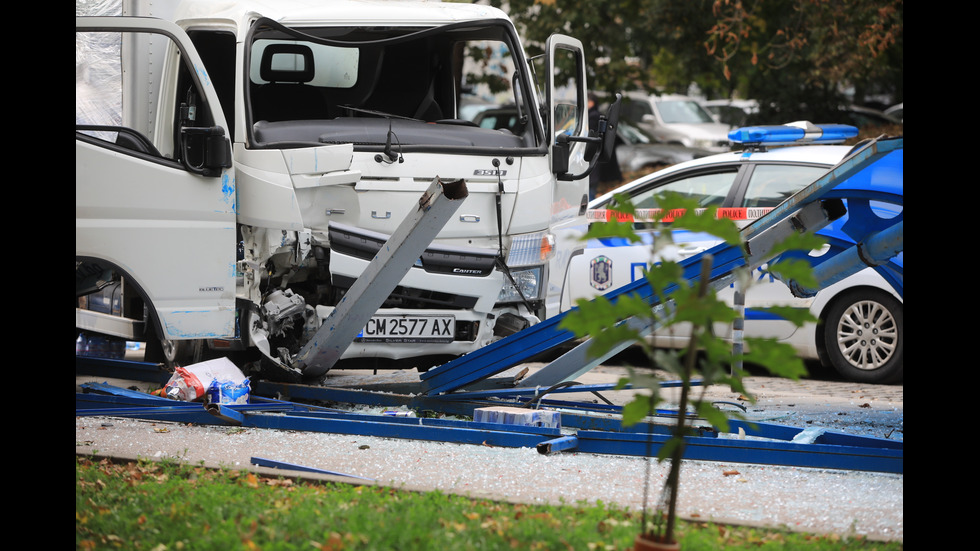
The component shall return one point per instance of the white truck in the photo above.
(239, 164)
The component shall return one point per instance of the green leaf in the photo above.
(716, 350)
(637, 409)
(594, 316)
(623, 202)
(714, 416)
(609, 339)
(599, 230)
(806, 241)
(722, 228)
(601, 320)
(794, 269)
(663, 277)
(737, 385)
(707, 222)
(668, 360)
(668, 448)
(778, 358)
(645, 380)
(701, 311)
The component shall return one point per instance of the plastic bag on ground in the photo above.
(191, 382)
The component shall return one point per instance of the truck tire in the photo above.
(172, 353)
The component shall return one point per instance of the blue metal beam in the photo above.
(178, 412)
(121, 369)
(526, 391)
(100, 396)
(830, 450)
(105, 390)
(879, 248)
(388, 429)
(364, 397)
(749, 451)
(558, 444)
(226, 413)
(524, 345)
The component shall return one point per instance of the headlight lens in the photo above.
(529, 282)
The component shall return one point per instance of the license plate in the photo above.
(409, 329)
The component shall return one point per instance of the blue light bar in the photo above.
(794, 133)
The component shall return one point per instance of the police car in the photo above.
(747, 184)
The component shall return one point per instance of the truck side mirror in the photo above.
(204, 150)
(608, 133)
(559, 155)
(599, 146)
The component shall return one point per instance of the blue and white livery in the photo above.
(861, 325)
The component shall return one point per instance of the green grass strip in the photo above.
(170, 505)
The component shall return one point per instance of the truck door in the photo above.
(154, 188)
(567, 128)
(567, 104)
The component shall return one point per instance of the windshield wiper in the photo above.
(381, 114)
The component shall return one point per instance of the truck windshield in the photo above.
(369, 85)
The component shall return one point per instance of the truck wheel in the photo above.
(863, 335)
(173, 353)
(184, 353)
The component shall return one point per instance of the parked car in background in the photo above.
(470, 106)
(897, 112)
(638, 151)
(737, 112)
(758, 179)
(675, 119)
(733, 112)
(501, 117)
(866, 117)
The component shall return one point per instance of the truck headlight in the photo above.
(529, 282)
(530, 249)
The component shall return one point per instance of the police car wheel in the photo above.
(863, 335)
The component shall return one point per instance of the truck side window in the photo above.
(217, 50)
(121, 105)
(98, 85)
(569, 107)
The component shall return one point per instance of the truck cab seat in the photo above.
(287, 69)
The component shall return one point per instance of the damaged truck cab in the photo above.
(238, 165)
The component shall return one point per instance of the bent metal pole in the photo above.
(436, 206)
